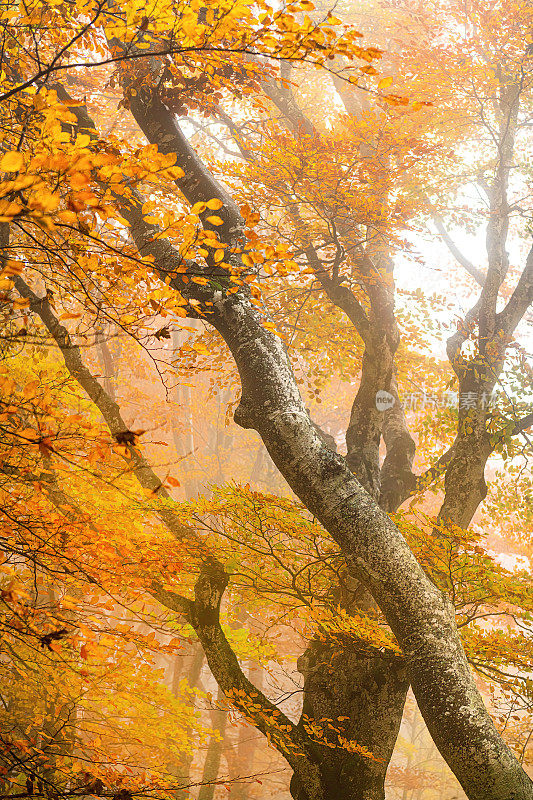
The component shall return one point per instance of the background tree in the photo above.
(80, 221)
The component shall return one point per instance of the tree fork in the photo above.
(419, 615)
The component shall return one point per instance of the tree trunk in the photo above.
(364, 697)
(214, 751)
(181, 769)
(421, 617)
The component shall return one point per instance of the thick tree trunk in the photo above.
(421, 617)
(363, 696)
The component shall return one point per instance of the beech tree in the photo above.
(121, 229)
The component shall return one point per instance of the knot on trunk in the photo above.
(209, 590)
(243, 414)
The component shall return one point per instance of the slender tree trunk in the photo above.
(181, 769)
(214, 751)
(242, 764)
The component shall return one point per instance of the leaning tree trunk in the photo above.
(421, 617)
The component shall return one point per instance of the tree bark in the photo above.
(420, 616)
(364, 697)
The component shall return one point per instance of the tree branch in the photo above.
(467, 265)
(203, 614)
(519, 302)
(421, 618)
(498, 222)
(282, 95)
(108, 408)
(339, 295)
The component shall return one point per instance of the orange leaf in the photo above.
(12, 161)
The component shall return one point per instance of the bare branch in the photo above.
(203, 614)
(519, 302)
(472, 270)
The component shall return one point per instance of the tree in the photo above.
(75, 206)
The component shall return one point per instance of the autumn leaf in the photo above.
(215, 204)
(12, 161)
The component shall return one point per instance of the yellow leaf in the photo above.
(78, 180)
(8, 210)
(30, 389)
(12, 161)
(45, 201)
(175, 172)
(13, 268)
(215, 220)
(21, 302)
(385, 83)
(68, 216)
(82, 140)
(198, 208)
(269, 326)
(246, 260)
(214, 204)
(219, 255)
